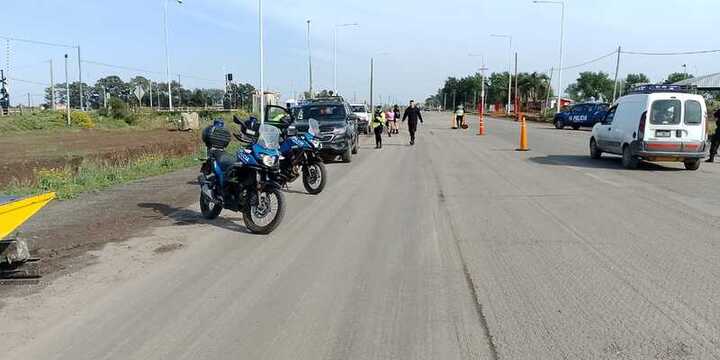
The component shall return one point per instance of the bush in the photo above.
(82, 119)
(120, 110)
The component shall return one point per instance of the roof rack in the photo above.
(659, 88)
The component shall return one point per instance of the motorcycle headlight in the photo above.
(316, 144)
(339, 131)
(269, 161)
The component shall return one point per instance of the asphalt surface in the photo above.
(456, 248)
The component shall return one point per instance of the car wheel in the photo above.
(629, 161)
(355, 147)
(692, 164)
(559, 124)
(347, 155)
(595, 151)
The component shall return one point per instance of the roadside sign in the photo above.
(139, 93)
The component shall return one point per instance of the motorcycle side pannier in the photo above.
(216, 137)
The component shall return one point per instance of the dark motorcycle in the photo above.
(300, 155)
(243, 182)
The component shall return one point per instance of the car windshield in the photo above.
(322, 112)
(358, 109)
(602, 107)
(665, 112)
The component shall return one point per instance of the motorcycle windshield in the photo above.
(269, 137)
(313, 127)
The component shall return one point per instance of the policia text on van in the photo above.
(654, 123)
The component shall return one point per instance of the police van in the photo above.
(654, 123)
(580, 115)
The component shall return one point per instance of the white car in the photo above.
(361, 110)
(654, 123)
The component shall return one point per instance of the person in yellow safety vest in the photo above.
(378, 123)
(460, 115)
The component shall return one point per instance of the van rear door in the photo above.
(675, 124)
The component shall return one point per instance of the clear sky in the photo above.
(425, 41)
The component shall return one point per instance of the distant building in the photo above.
(706, 82)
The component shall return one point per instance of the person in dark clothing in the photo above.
(715, 139)
(396, 110)
(412, 114)
(377, 124)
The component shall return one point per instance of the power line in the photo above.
(27, 81)
(650, 53)
(614, 52)
(121, 67)
(38, 42)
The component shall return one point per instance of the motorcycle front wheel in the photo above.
(209, 209)
(314, 177)
(263, 214)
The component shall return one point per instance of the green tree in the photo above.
(597, 85)
(675, 77)
(632, 80)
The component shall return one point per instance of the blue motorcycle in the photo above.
(243, 182)
(300, 156)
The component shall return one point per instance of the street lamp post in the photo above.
(335, 52)
(262, 64)
(562, 40)
(372, 73)
(509, 96)
(167, 52)
(310, 78)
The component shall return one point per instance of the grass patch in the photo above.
(143, 119)
(68, 185)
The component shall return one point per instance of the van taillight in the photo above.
(641, 126)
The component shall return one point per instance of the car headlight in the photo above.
(339, 131)
(268, 160)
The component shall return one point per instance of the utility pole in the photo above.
(52, 86)
(617, 71)
(262, 65)
(82, 101)
(444, 101)
(547, 91)
(67, 92)
(29, 101)
(179, 92)
(310, 79)
(517, 98)
(105, 99)
(151, 102)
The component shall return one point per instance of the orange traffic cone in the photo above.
(523, 135)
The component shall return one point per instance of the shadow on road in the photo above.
(606, 162)
(182, 216)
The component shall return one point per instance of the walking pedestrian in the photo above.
(396, 110)
(390, 120)
(715, 138)
(412, 114)
(377, 124)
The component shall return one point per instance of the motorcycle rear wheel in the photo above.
(314, 178)
(262, 209)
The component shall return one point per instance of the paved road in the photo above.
(457, 248)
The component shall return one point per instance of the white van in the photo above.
(654, 123)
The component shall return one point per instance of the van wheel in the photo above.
(559, 124)
(629, 161)
(595, 151)
(692, 164)
(347, 155)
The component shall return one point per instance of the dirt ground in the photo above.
(62, 233)
(22, 154)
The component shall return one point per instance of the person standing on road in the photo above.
(396, 110)
(715, 138)
(412, 114)
(460, 116)
(390, 119)
(377, 124)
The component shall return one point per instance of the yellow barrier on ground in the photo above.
(16, 212)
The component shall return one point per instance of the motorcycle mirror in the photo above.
(237, 120)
